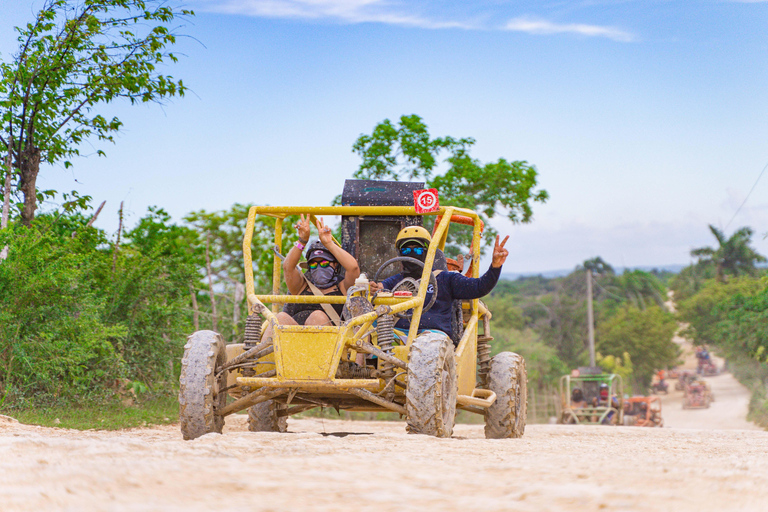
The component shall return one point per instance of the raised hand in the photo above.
(499, 252)
(303, 227)
(325, 233)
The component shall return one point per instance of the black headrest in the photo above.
(440, 261)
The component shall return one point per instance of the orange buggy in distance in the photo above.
(643, 411)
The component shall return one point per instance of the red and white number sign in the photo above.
(426, 200)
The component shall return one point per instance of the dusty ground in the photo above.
(335, 465)
(711, 460)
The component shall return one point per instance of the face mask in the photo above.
(413, 270)
(322, 277)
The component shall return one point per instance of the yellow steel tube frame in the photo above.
(467, 346)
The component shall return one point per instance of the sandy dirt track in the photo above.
(367, 466)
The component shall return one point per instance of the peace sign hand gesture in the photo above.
(303, 228)
(499, 252)
(325, 233)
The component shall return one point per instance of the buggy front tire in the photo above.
(199, 396)
(509, 380)
(264, 417)
(432, 390)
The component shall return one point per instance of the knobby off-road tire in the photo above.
(509, 380)
(199, 391)
(263, 417)
(430, 398)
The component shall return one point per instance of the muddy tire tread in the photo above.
(428, 411)
(508, 379)
(263, 418)
(203, 352)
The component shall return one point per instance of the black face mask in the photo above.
(413, 270)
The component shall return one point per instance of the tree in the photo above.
(222, 232)
(733, 255)
(646, 335)
(598, 266)
(640, 288)
(72, 58)
(407, 151)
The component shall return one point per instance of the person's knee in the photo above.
(284, 318)
(318, 318)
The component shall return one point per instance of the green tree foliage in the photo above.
(621, 366)
(407, 151)
(598, 266)
(704, 312)
(745, 326)
(222, 233)
(71, 326)
(541, 361)
(73, 58)
(691, 279)
(555, 310)
(646, 335)
(639, 288)
(733, 256)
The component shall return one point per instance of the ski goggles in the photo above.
(418, 251)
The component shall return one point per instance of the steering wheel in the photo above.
(408, 281)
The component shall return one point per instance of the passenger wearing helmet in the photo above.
(325, 261)
(413, 242)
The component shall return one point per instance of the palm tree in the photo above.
(734, 256)
(640, 287)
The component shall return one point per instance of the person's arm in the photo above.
(463, 287)
(293, 278)
(345, 259)
(386, 284)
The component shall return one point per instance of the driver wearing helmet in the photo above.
(325, 261)
(413, 242)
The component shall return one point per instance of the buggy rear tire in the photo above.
(432, 390)
(264, 417)
(199, 396)
(509, 380)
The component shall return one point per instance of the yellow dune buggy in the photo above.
(302, 367)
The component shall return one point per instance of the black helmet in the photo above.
(317, 250)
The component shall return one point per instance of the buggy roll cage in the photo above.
(445, 216)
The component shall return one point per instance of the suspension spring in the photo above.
(251, 338)
(386, 338)
(252, 331)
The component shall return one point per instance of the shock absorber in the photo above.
(252, 330)
(386, 338)
(251, 338)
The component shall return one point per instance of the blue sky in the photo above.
(647, 120)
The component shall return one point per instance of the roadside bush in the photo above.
(53, 341)
(75, 321)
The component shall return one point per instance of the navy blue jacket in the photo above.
(450, 286)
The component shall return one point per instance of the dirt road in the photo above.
(369, 466)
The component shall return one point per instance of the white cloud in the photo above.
(391, 12)
(345, 11)
(538, 26)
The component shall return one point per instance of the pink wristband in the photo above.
(299, 245)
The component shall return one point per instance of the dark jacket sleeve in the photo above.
(463, 287)
(391, 281)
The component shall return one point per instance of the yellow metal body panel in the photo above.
(466, 358)
(234, 350)
(312, 386)
(307, 352)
